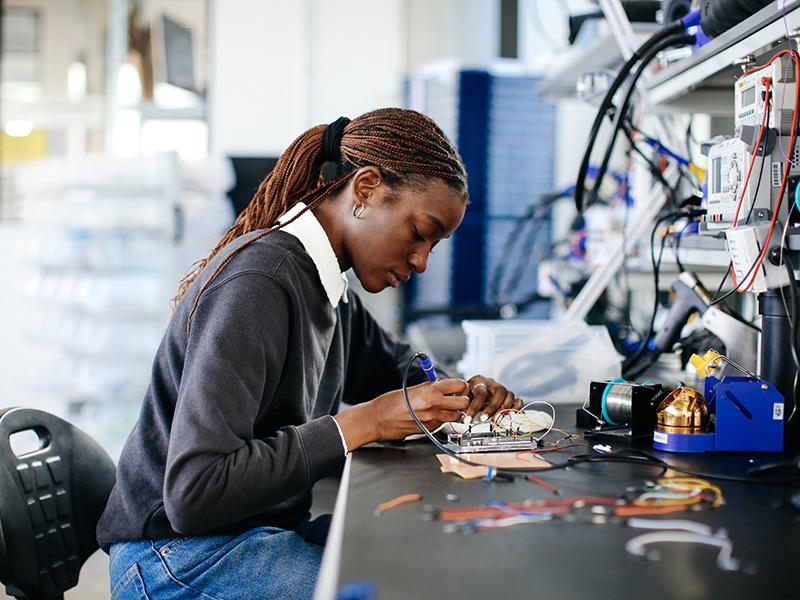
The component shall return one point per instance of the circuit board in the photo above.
(489, 442)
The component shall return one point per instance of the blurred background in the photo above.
(132, 132)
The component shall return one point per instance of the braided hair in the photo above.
(406, 146)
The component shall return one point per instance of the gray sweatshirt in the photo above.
(235, 427)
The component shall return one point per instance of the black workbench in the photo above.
(406, 555)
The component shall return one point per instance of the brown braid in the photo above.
(405, 145)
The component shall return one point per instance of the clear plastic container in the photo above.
(538, 359)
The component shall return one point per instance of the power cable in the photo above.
(678, 39)
(607, 106)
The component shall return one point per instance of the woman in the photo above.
(213, 485)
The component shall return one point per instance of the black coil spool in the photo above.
(640, 412)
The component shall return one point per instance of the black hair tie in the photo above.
(332, 139)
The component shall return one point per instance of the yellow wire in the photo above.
(684, 484)
(694, 483)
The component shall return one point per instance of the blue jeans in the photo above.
(265, 562)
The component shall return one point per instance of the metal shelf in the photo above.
(600, 55)
(703, 82)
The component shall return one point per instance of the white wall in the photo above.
(279, 67)
(357, 57)
(465, 30)
(257, 85)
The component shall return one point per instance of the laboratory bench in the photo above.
(407, 553)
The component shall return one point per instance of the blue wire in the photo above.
(659, 147)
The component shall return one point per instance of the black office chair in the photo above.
(50, 501)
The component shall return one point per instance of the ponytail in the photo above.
(404, 144)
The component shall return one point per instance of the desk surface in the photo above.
(407, 556)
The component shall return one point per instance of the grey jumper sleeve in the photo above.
(217, 470)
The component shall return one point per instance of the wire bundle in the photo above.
(670, 36)
(515, 422)
(669, 495)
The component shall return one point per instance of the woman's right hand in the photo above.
(433, 403)
(387, 417)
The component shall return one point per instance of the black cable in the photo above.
(629, 362)
(650, 460)
(793, 324)
(690, 139)
(655, 171)
(678, 39)
(628, 456)
(607, 106)
(626, 284)
(685, 174)
(722, 282)
(641, 366)
(678, 238)
(738, 286)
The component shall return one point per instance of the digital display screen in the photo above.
(716, 175)
(749, 96)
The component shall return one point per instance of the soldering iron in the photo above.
(427, 366)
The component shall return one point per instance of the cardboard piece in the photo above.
(501, 460)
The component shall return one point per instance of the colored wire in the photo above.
(758, 149)
(552, 419)
(716, 298)
(681, 491)
(638, 545)
(394, 503)
(545, 484)
(787, 168)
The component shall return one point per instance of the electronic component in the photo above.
(619, 411)
(509, 430)
(750, 96)
(744, 246)
(489, 442)
(728, 163)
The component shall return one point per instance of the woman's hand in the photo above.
(487, 397)
(433, 403)
(387, 417)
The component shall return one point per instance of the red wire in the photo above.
(753, 158)
(749, 171)
(545, 484)
(796, 59)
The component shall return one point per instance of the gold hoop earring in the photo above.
(358, 209)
